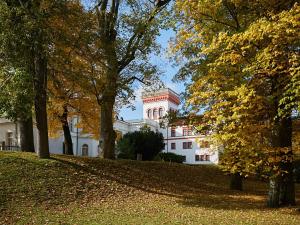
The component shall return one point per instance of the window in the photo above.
(149, 113)
(186, 131)
(204, 144)
(202, 157)
(161, 112)
(10, 138)
(207, 157)
(184, 158)
(173, 146)
(71, 125)
(155, 114)
(187, 145)
(85, 150)
(173, 131)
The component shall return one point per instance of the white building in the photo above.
(179, 138)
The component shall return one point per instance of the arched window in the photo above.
(155, 114)
(161, 112)
(149, 113)
(85, 150)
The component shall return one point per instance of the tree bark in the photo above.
(287, 186)
(282, 188)
(67, 134)
(26, 135)
(236, 182)
(107, 133)
(40, 103)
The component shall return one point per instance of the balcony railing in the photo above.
(9, 148)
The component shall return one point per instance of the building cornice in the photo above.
(164, 96)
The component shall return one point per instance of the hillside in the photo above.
(70, 190)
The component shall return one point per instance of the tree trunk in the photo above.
(40, 103)
(236, 182)
(287, 190)
(107, 133)
(282, 188)
(68, 144)
(287, 186)
(26, 135)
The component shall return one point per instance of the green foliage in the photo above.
(16, 94)
(145, 142)
(171, 157)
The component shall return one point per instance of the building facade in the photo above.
(179, 138)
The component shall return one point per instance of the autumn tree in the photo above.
(68, 71)
(243, 59)
(126, 32)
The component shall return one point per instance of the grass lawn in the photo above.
(70, 190)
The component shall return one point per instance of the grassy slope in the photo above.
(69, 190)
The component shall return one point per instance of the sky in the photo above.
(164, 64)
(169, 71)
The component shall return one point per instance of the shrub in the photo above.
(145, 142)
(171, 157)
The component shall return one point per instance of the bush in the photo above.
(145, 142)
(171, 157)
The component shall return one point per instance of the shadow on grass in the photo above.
(173, 182)
(64, 179)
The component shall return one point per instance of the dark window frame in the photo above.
(173, 146)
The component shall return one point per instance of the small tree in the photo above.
(145, 142)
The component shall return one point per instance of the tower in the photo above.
(156, 104)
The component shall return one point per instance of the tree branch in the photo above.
(134, 41)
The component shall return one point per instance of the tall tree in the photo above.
(242, 58)
(126, 33)
(24, 41)
(68, 69)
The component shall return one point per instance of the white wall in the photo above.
(195, 150)
(153, 105)
(5, 127)
(56, 145)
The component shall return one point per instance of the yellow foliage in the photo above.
(241, 55)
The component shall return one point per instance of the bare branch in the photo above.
(135, 39)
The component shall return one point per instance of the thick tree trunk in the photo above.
(26, 135)
(287, 190)
(68, 144)
(236, 182)
(111, 74)
(282, 188)
(287, 186)
(40, 103)
(107, 133)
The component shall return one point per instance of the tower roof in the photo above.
(160, 95)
